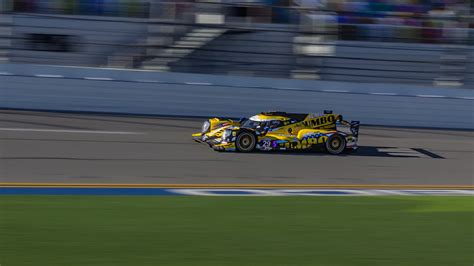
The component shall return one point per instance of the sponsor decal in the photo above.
(305, 143)
(266, 144)
(319, 121)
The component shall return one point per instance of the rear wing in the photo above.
(354, 126)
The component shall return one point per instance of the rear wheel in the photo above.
(245, 141)
(335, 144)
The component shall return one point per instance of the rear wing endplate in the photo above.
(355, 128)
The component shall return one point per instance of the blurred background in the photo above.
(427, 42)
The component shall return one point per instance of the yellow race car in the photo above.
(277, 131)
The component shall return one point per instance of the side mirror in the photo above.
(262, 130)
(265, 130)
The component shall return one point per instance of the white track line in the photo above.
(94, 78)
(70, 131)
(340, 91)
(48, 76)
(198, 83)
(317, 192)
(147, 81)
(429, 96)
(5, 74)
(383, 93)
(289, 88)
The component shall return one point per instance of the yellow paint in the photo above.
(262, 117)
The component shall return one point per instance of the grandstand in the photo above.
(425, 42)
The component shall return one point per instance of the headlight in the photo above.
(205, 126)
(227, 133)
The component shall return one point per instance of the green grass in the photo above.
(95, 230)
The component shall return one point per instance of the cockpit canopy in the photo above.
(256, 124)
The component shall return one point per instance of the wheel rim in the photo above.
(245, 142)
(335, 143)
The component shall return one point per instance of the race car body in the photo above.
(277, 131)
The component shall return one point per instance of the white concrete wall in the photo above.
(155, 93)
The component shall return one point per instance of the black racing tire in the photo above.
(336, 144)
(245, 141)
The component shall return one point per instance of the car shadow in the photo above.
(364, 151)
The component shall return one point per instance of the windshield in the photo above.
(254, 124)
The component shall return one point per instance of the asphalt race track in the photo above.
(41, 147)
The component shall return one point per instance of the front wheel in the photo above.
(245, 141)
(335, 144)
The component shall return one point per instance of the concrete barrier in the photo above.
(160, 93)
